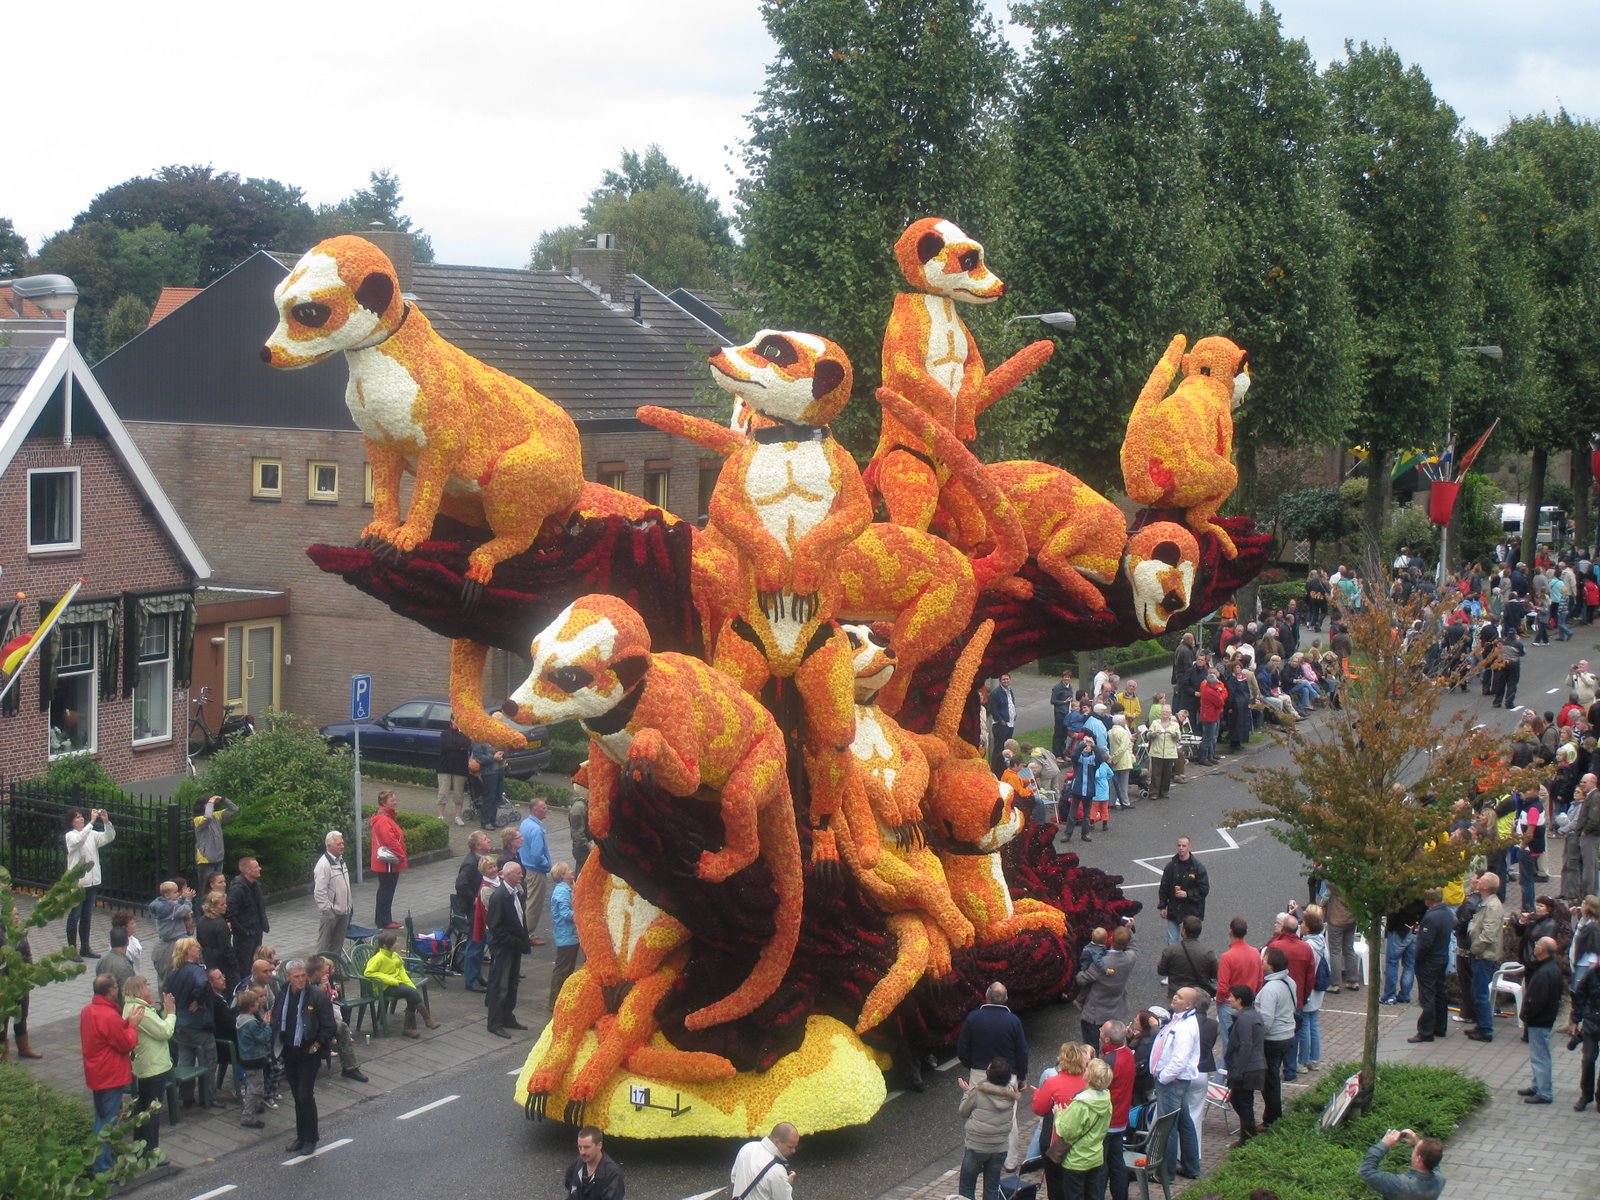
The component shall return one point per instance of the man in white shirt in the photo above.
(331, 890)
(1581, 682)
(761, 1170)
(1175, 1063)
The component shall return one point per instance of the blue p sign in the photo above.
(360, 697)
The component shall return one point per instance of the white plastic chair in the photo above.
(1358, 947)
(1217, 1096)
(1507, 980)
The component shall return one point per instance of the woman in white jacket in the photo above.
(83, 846)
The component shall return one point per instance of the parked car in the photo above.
(409, 733)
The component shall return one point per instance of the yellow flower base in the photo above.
(832, 1081)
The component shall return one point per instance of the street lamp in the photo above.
(1496, 353)
(1056, 320)
(58, 296)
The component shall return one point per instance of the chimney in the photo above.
(603, 266)
(399, 247)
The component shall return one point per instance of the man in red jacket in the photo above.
(1240, 963)
(108, 1043)
(1114, 1049)
(1302, 969)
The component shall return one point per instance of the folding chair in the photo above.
(1217, 1096)
(1150, 1161)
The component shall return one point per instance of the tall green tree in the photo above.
(1399, 170)
(1561, 239)
(13, 250)
(873, 115)
(377, 203)
(1110, 208)
(241, 215)
(1281, 247)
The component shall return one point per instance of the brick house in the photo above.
(110, 679)
(263, 463)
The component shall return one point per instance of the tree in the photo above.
(552, 249)
(376, 204)
(872, 116)
(659, 232)
(152, 257)
(1273, 214)
(241, 215)
(13, 250)
(1398, 167)
(128, 318)
(1110, 208)
(1369, 795)
(1317, 514)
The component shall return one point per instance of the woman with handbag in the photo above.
(388, 858)
(1052, 1096)
(1081, 1130)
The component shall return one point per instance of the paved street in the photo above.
(431, 1100)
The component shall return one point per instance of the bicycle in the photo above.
(202, 741)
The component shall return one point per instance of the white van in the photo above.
(1551, 521)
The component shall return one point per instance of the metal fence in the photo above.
(154, 840)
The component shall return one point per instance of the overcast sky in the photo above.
(500, 117)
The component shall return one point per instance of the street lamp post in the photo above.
(1063, 321)
(58, 296)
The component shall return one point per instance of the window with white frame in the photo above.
(73, 701)
(152, 685)
(53, 507)
(322, 481)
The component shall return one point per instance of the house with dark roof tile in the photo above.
(80, 502)
(263, 463)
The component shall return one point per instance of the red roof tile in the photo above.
(170, 300)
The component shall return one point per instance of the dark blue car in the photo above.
(409, 733)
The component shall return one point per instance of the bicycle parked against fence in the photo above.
(202, 741)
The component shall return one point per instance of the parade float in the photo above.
(806, 872)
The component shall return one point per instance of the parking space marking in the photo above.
(214, 1192)
(1156, 864)
(417, 1112)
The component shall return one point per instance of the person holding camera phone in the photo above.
(1422, 1180)
(84, 841)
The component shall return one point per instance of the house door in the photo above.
(252, 669)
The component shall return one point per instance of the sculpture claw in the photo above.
(575, 1111)
(534, 1109)
(471, 594)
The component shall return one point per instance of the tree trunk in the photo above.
(1245, 501)
(1582, 484)
(1539, 463)
(1369, 1041)
(1373, 512)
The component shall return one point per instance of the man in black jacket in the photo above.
(1184, 886)
(593, 1176)
(509, 936)
(302, 1018)
(247, 913)
(1433, 948)
(1541, 1002)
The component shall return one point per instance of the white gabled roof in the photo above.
(29, 404)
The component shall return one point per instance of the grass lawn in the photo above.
(1301, 1159)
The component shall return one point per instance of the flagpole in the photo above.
(38, 637)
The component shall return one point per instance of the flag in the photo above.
(19, 652)
(1471, 455)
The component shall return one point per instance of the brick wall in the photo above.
(332, 630)
(123, 549)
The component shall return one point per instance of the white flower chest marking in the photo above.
(628, 916)
(1002, 888)
(872, 746)
(791, 486)
(614, 745)
(947, 351)
(381, 396)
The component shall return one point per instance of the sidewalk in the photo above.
(393, 1063)
(1500, 1150)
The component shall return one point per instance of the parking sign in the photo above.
(360, 697)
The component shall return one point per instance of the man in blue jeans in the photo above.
(1400, 953)
(107, 1039)
(1175, 1064)
(1541, 1002)
(1485, 934)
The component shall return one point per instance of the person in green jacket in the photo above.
(389, 969)
(152, 1056)
(1083, 1126)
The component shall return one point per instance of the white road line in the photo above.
(705, 1195)
(1228, 837)
(891, 1096)
(1133, 887)
(1262, 821)
(945, 1066)
(1551, 691)
(221, 1191)
(317, 1153)
(417, 1112)
(514, 1071)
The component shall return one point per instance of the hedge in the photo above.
(1299, 1158)
(30, 1113)
(569, 746)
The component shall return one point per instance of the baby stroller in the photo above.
(1140, 776)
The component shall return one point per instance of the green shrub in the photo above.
(1278, 595)
(520, 791)
(276, 832)
(33, 1116)
(1409, 526)
(288, 760)
(81, 770)
(400, 773)
(1299, 1158)
(569, 746)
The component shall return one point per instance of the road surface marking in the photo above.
(1149, 864)
(514, 1071)
(891, 1096)
(221, 1191)
(1133, 887)
(1262, 821)
(317, 1153)
(945, 1066)
(1551, 691)
(417, 1112)
(704, 1195)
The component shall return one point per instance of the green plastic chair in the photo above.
(367, 993)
